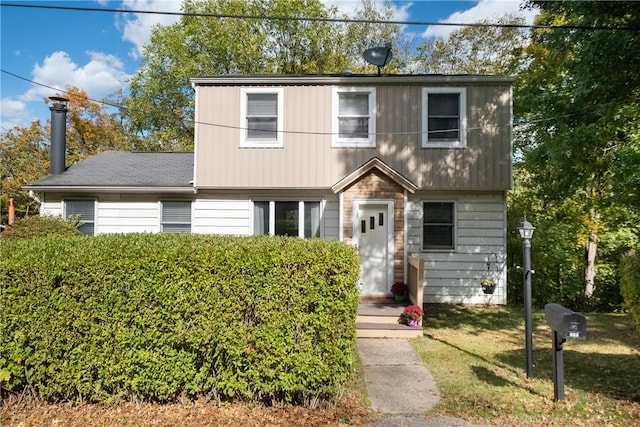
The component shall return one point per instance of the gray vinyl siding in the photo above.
(453, 276)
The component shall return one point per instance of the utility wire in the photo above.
(123, 107)
(60, 90)
(317, 19)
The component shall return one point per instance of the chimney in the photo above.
(58, 134)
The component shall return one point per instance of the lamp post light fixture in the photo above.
(526, 231)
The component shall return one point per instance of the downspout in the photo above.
(35, 198)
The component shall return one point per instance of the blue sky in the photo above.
(99, 51)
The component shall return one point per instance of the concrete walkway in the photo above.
(399, 385)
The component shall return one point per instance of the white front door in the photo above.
(373, 235)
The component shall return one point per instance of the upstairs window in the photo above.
(262, 117)
(438, 226)
(176, 217)
(287, 218)
(444, 117)
(354, 117)
(84, 211)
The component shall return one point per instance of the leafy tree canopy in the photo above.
(475, 49)
(577, 109)
(162, 104)
(25, 151)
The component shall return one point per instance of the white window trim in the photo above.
(460, 143)
(455, 226)
(160, 207)
(338, 142)
(261, 143)
(272, 209)
(95, 211)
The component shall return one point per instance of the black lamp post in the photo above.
(526, 231)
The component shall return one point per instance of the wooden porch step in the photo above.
(377, 330)
(380, 320)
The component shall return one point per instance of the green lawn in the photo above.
(477, 357)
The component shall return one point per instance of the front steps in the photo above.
(380, 320)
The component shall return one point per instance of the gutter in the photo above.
(100, 189)
(348, 80)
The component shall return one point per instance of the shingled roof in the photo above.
(112, 170)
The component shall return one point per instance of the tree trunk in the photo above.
(590, 268)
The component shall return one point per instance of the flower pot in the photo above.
(399, 297)
(488, 289)
(413, 323)
(488, 285)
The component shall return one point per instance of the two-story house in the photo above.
(395, 165)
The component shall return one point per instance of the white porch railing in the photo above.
(416, 280)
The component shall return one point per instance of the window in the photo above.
(286, 218)
(176, 217)
(84, 210)
(262, 117)
(444, 117)
(438, 227)
(354, 117)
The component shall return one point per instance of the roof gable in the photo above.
(374, 163)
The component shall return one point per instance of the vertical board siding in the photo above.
(454, 276)
(307, 159)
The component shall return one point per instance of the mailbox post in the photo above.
(565, 324)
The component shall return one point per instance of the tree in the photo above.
(90, 128)
(25, 158)
(475, 49)
(162, 104)
(577, 105)
(356, 37)
(25, 151)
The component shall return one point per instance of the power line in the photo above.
(60, 90)
(333, 20)
(475, 128)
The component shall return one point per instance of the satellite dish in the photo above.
(379, 56)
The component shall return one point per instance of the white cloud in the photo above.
(101, 76)
(348, 7)
(136, 27)
(484, 10)
(13, 112)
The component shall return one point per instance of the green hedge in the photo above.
(159, 317)
(40, 226)
(630, 284)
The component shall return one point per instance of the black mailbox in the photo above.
(568, 324)
(565, 324)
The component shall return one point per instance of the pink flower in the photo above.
(412, 312)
